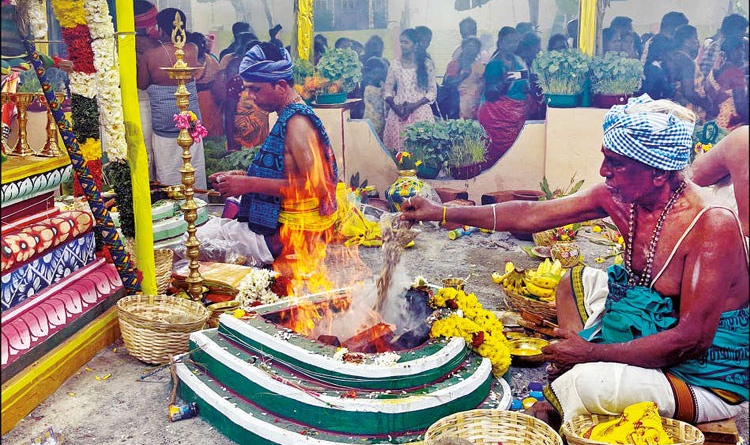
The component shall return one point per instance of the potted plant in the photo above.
(429, 142)
(468, 148)
(614, 78)
(343, 70)
(304, 79)
(561, 76)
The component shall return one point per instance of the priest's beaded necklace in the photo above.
(645, 279)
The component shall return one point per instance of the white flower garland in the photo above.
(255, 287)
(83, 84)
(107, 78)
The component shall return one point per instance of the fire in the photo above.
(305, 232)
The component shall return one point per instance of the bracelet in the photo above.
(445, 211)
(494, 217)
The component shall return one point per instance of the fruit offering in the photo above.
(540, 282)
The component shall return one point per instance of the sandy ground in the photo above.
(124, 409)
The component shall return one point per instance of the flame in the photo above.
(305, 234)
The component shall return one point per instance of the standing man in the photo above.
(289, 189)
(167, 159)
(671, 324)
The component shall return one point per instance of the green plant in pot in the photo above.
(562, 76)
(468, 148)
(429, 142)
(614, 78)
(343, 69)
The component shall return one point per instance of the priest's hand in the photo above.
(230, 184)
(417, 208)
(569, 351)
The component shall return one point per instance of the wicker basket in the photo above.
(156, 328)
(163, 259)
(518, 302)
(682, 433)
(545, 238)
(490, 426)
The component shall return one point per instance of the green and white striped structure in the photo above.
(262, 384)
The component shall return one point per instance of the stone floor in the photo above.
(125, 409)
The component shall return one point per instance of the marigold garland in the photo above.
(69, 12)
(91, 149)
(480, 328)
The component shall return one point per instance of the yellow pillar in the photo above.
(137, 158)
(587, 26)
(304, 17)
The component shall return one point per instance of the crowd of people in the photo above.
(491, 85)
(496, 88)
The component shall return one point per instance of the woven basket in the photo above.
(491, 426)
(156, 328)
(682, 433)
(545, 238)
(163, 259)
(520, 303)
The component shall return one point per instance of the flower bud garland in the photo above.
(480, 328)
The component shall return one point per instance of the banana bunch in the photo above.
(542, 281)
(514, 279)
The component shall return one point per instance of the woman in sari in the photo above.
(506, 90)
(245, 124)
(209, 105)
(727, 87)
(466, 75)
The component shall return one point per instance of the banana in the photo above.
(549, 299)
(497, 278)
(546, 280)
(509, 267)
(539, 291)
(557, 268)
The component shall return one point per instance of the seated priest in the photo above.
(669, 325)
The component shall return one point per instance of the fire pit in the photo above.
(258, 378)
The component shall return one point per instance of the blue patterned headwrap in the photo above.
(256, 68)
(659, 140)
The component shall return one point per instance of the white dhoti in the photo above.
(608, 388)
(243, 240)
(167, 161)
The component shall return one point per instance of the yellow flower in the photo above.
(476, 320)
(599, 259)
(564, 237)
(91, 149)
(69, 13)
(596, 229)
(620, 240)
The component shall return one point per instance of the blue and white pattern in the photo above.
(660, 140)
(35, 185)
(256, 68)
(31, 278)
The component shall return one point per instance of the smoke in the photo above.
(360, 315)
